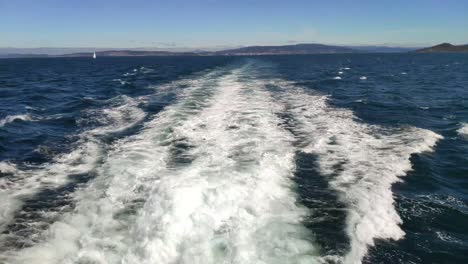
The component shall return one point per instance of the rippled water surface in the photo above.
(335, 158)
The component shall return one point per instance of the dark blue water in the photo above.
(235, 159)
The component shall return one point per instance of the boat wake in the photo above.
(210, 179)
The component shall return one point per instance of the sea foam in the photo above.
(371, 159)
(82, 159)
(208, 180)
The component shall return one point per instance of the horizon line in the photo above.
(287, 43)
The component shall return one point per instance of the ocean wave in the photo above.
(12, 118)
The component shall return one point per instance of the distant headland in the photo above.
(444, 47)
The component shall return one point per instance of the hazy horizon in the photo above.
(69, 50)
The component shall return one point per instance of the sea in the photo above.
(327, 158)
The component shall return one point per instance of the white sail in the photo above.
(94, 55)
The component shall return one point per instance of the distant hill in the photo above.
(382, 49)
(243, 51)
(287, 49)
(127, 53)
(444, 47)
(15, 55)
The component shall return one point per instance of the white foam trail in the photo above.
(26, 183)
(232, 203)
(11, 118)
(361, 161)
(81, 160)
(204, 213)
(232, 200)
(123, 179)
(463, 130)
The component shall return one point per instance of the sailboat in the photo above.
(94, 55)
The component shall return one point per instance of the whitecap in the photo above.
(146, 70)
(337, 78)
(363, 78)
(122, 82)
(12, 118)
(129, 74)
(448, 238)
(463, 130)
(7, 168)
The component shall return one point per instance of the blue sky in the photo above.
(210, 23)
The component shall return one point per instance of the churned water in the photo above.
(336, 158)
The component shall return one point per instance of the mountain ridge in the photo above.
(312, 48)
(294, 49)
